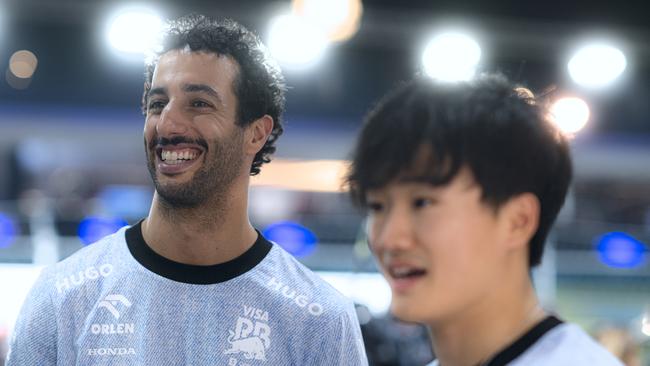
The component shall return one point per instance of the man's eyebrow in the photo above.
(188, 88)
(193, 88)
(156, 91)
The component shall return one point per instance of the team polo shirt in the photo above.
(552, 342)
(117, 302)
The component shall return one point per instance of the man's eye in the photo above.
(375, 206)
(423, 202)
(200, 104)
(156, 105)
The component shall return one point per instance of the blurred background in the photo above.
(72, 166)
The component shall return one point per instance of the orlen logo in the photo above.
(111, 301)
(89, 273)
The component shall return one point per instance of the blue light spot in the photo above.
(294, 238)
(128, 201)
(92, 229)
(621, 250)
(7, 231)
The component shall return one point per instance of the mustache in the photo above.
(176, 140)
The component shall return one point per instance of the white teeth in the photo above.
(175, 157)
(402, 271)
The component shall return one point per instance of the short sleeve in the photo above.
(342, 344)
(34, 338)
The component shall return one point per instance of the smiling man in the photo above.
(462, 183)
(193, 283)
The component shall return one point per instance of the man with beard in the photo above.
(193, 283)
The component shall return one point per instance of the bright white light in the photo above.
(338, 19)
(451, 57)
(295, 42)
(135, 31)
(570, 114)
(596, 66)
(328, 14)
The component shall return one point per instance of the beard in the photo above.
(222, 163)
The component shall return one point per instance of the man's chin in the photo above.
(175, 199)
(178, 194)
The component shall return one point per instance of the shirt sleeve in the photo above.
(34, 338)
(344, 344)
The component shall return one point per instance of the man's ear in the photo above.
(257, 133)
(521, 215)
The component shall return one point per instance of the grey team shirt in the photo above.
(102, 307)
(565, 345)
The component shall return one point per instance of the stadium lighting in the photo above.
(597, 65)
(134, 31)
(296, 43)
(570, 114)
(451, 57)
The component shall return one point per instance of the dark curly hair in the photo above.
(494, 128)
(259, 85)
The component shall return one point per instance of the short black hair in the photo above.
(259, 86)
(489, 125)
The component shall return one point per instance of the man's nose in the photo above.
(394, 233)
(172, 121)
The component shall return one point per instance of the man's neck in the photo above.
(215, 232)
(474, 336)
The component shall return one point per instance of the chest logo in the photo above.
(111, 301)
(251, 336)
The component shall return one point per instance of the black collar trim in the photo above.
(194, 274)
(522, 344)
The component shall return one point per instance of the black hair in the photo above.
(259, 86)
(428, 131)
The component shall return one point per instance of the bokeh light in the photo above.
(8, 231)
(134, 31)
(338, 19)
(293, 237)
(620, 250)
(570, 114)
(296, 43)
(23, 64)
(597, 65)
(451, 57)
(93, 228)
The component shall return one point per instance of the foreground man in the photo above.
(462, 183)
(193, 283)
